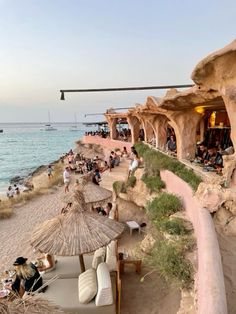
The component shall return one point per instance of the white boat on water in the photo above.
(74, 127)
(49, 127)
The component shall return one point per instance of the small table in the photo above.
(133, 225)
(136, 263)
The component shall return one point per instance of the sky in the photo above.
(48, 45)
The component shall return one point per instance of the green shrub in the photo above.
(131, 181)
(163, 206)
(155, 161)
(155, 184)
(174, 226)
(186, 243)
(171, 264)
(119, 187)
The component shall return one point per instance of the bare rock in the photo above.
(210, 196)
(139, 194)
(147, 244)
(230, 228)
(222, 215)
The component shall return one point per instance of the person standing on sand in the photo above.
(66, 178)
(49, 171)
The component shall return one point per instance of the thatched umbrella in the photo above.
(77, 232)
(28, 305)
(93, 194)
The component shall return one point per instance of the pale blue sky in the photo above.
(48, 45)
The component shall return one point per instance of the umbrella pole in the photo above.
(81, 260)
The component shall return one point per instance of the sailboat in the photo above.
(74, 126)
(49, 127)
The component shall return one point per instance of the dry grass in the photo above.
(6, 205)
(5, 211)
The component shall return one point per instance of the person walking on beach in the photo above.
(49, 171)
(66, 178)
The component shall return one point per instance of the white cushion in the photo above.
(99, 257)
(104, 293)
(112, 213)
(87, 286)
(111, 258)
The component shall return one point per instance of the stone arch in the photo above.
(112, 127)
(134, 124)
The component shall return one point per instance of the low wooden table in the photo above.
(136, 263)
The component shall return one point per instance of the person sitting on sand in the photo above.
(104, 211)
(96, 177)
(27, 278)
(116, 158)
(104, 166)
(45, 262)
(17, 190)
(124, 152)
(10, 192)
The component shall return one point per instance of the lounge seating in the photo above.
(68, 267)
(114, 212)
(64, 292)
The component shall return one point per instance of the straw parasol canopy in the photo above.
(77, 232)
(93, 194)
(28, 305)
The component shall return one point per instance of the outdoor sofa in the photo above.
(65, 290)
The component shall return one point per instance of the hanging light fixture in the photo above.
(62, 96)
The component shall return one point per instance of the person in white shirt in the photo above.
(134, 164)
(66, 178)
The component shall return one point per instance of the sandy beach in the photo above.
(15, 234)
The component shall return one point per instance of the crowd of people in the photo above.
(12, 191)
(210, 157)
(123, 134)
(26, 277)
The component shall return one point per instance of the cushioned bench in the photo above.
(68, 267)
(64, 292)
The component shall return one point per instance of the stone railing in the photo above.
(211, 296)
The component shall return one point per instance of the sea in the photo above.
(25, 147)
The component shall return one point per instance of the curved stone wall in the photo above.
(210, 280)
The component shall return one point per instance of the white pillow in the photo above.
(112, 213)
(87, 286)
(104, 293)
(111, 258)
(98, 257)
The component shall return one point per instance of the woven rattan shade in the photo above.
(28, 305)
(77, 232)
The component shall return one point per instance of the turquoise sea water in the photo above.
(24, 147)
